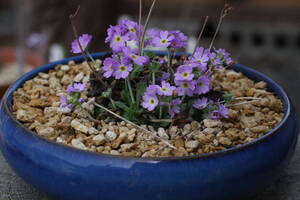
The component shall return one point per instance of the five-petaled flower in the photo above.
(149, 102)
(174, 107)
(166, 89)
(123, 69)
(200, 104)
(163, 40)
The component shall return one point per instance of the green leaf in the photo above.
(122, 105)
(107, 93)
(150, 54)
(140, 90)
(154, 66)
(125, 96)
(136, 70)
(227, 97)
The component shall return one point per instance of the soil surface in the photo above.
(37, 103)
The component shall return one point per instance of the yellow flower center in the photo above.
(185, 85)
(164, 89)
(132, 30)
(200, 61)
(164, 41)
(200, 84)
(123, 68)
(133, 56)
(185, 74)
(152, 101)
(118, 38)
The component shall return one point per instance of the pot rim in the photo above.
(280, 93)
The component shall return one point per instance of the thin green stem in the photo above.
(160, 112)
(113, 103)
(92, 59)
(130, 90)
(153, 78)
(169, 61)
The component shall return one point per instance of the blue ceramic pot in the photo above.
(70, 174)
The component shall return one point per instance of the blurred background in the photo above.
(263, 34)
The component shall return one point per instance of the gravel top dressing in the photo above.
(37, 105)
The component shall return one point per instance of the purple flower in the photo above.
(63, 101)
(109, 67)
(76, 87)
(215, 61)
(224, 56)
(165, 76)
(150, 35)
(84, 40)
(163, 40)
(162, 61)
(132, 54)
(149, 102)
(184, 73)
(112, 30)
(201, 57)
(201, 103)
(185, 87)
(222, 111)
(203, 85)
(132, 28)
(81, 100)
(166, 89)
(180, 40)
(117, 40)
(174, 107)
(152, 89)
(123, 69)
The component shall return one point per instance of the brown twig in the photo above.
(140, 27)
(200, 34)
(243, 103)
(161, 120)
(146, 25)
(223, 14)
(83, 52)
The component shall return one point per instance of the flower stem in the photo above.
(130, 90)
(113, 103)
(153, 78)
(160, 112)
(169, 61)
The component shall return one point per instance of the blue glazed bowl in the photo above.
(70, 174)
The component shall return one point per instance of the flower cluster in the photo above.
(191, 79)
(154, 87)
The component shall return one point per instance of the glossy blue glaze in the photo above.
(69, 174)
